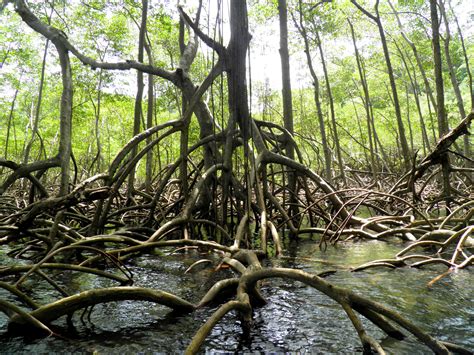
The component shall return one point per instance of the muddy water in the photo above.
(295, 319)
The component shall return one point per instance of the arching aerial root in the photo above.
(67, 305)
(247, 292)
(452, 252)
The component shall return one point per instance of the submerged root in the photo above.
(451, 248)
(69, 305)
(378, 314)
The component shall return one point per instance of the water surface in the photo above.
(296, 318)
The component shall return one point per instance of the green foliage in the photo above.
(263, 10)
(108, 31)
(415, 4)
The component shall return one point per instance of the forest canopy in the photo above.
(108, 31)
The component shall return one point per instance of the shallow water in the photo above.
(296, 318)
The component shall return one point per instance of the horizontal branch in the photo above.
(59, 38)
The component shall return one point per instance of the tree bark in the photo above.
(34, 129)
(366, 100)
(466, 59)
(440, 109)
(332, 111)
(239, 113)
(98, 159)
(287, 97)
(139, 96)
(9, 123)
(149, 122)
(452, 75)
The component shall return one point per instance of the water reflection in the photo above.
(296, 318)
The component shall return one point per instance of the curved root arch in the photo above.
(69, 305)
(380, 315)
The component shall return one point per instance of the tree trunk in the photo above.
(452, 76)
(396, 102)
(235, 61)
(332, 111)
(286, 78)
(149, 122)
(184, 137)
(139, 96)
(366, 100)
(36, 117)
(9, 123)
(401, 129)
(65, 117)
(466, 59)
(417, 101)
(237, 51)
(287, 98)
(410, 130)
(419, 63)
(467, 142)
(441, 113)
(416, 95)
(98, 159)
(322, 128)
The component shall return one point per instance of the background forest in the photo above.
(350, 84)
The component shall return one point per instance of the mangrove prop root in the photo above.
(14, 311)
(374, 311)
(67, 305)
(458, 259)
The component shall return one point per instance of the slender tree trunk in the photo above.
(98, 159)
(377, 143)
(287, 98)
(65, 116)
(286, 78)
(413, 87)
(466, 59)
(452, 76)
(363, 136)
(184, 137)
(424, 132)
(36, 117)
(393, 85)
(97, 123)
(9, 123)
(149, 123)
(416, 95)
(137, 116)
(332, 111)
(204, 116)
(396, 102)
(419, 63)
(449, 62)
(322, 128)
(441, 113)
(410, 130)
(467, 141)
(366, 100)
(432, 122)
